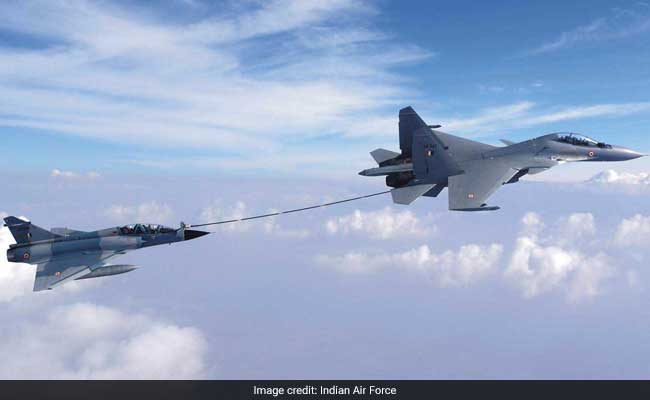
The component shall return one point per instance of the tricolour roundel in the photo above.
(592, 154)
(26, 256)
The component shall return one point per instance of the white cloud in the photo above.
(469, 264)
(87, 341)
(382, 224)
(576, 227)
(555, 262)
(16, 279)
(633, 231)
(623, 23)
(118, 74)
(59, 174)
(624, 178)
(151, 212)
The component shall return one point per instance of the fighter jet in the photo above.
(431, 160)
(63, 255)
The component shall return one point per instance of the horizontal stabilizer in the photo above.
(507, 142)
(408, 194)
(381, 155)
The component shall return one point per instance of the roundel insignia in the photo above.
(26, 256)
(592, 154)
(471, 196)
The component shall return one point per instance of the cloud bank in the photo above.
(88, 341)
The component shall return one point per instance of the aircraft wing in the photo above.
(470, 191)
(60, 270)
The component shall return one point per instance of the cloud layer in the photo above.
(567, 256)
(450, 268)
(87, 341)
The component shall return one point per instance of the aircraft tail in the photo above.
(432, 160)
(409, 122)
(25, 232)
(433, 163)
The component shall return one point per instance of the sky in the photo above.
(114, 112)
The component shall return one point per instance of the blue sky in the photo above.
(115, 112)
(254, 86)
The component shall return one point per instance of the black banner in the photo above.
(361, 390)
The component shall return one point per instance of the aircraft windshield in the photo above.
(579, 140)
(145, 229)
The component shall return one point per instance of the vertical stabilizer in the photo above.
(409, 122)
(432, 162)
(25, 232)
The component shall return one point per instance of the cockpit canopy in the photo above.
(145, 229)
(577, 139)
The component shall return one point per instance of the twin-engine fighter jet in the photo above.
(431, 160)
(63, 255)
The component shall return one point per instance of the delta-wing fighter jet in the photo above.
(431, 160)
(63, 255)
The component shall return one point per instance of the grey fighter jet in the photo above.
(431, 160)
(63, 255)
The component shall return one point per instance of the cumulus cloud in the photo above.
(382, 224)
(152, 212)
(87, 341)
(72, 175)
(633, 231)
(460, 268)
(540, 264)
(624, 178)
(575, 227)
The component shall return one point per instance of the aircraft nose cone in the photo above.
(625, 154)
(191, 234)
